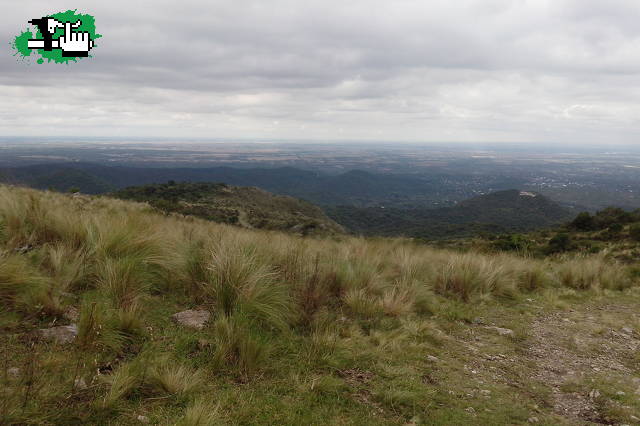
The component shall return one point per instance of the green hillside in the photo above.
(613, 231)
(114, 313)
(502, 211)
(245, 206)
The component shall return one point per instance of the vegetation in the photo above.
(612, 231)
(249, 207)
(343, 329)
(498, 212)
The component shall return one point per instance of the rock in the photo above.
(501, 331)
(61, 334)
(432, 358)
(13, 372)
(142, 419)
(634, 418)
(485, 392)
(620, 393)
(595, 393)
(193, 318)
(626, 330)
(80, 384)
(533, 420)
(470, 410)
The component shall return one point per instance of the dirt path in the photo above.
(572, 350)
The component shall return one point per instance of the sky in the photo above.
(535, 71)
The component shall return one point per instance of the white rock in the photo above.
(594, 394)
(192, 318)
(61, 334)
(533, 420)
(626, 330)
(143, 419)
(501, 331)
(432, 358)
(13, 372)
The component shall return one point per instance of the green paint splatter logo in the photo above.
(60, 38)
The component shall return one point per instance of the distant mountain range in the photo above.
(356, 188)
(244, 206)
(502, 211)
(363, 202)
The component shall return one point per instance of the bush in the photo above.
(559, 243)
(583, 222)
(515, 242)
(634, 231)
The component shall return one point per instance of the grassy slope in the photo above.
(304, 331)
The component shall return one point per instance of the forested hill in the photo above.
(502, 211)
(354, 187)
(245, 206)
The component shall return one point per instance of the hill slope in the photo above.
(112, 313)
(501, 211)
(244, 206)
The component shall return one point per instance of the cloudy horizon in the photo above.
(565, 71)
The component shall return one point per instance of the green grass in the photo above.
(303, 330)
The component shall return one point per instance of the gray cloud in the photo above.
(500, 70)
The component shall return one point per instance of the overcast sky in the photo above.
(565, 71)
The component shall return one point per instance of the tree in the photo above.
(583, 222)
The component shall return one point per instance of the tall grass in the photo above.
(237, 283)
(175, 379)
(126, 252)
(201, 412)
(468, 275)
(236, 346)
(593, 273)
(126, 268)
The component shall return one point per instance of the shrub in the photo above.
(634, 231)
(583, 222)
(559, 243)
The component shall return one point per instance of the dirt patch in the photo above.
(567, 347)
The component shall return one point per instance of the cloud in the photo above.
(499, 70)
